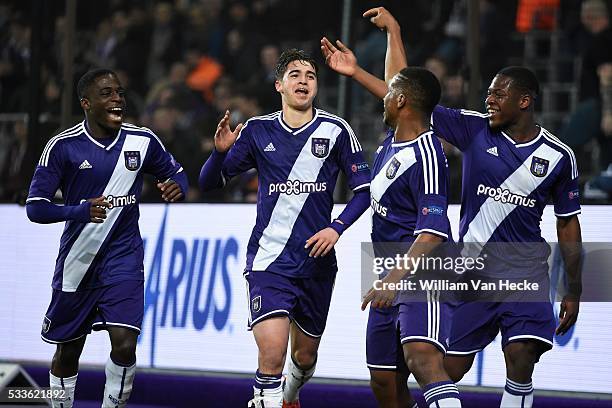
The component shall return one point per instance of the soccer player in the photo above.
(291, 264)
(98, 165)
(409, 198)
(505, 151)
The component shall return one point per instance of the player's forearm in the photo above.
(44, 212)
(376, 86)
(421, 247)
(353, 210)
(210, 174)
(570, 244)
(181, 179)
(395, 58)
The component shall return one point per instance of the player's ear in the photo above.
(526, 101)
(401, 101)
(278, 85)
(85, 103)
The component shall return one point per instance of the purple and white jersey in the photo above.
(506, 185)
(297, 171)
(91, 254)
(409, 190)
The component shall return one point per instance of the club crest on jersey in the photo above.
(319, 147)
(132, 160)
(46, 325)
(256, 304)
(539, 166)
(392, 168)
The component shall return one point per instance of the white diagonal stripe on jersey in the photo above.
(288, 207)
(90, 239)
(355, 145)
(381, 182)
(492, 213)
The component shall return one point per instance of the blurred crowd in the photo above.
(184, 62)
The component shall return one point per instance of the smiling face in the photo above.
(298, 86)
(104, 103)
(505, 103)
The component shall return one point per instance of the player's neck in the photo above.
(523, 131)
(296, 118)
(99, 132)
(406, 131)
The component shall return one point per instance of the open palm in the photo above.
(224, 136)
(340, 58)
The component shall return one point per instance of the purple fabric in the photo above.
(353, 210)
(44, 212)
(210, 174)
(176, 390)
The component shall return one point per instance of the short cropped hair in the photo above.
(522, 78)
(290, 55)
(89, 78)
(421, 88)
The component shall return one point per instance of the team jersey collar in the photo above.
(409, 142)
(94, 141)
(301, 128)
(529, 143)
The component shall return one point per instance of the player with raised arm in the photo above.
(98, 165)
(503, 150)
(409, 198)
(291, 264)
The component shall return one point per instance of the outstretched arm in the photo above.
(570, 243)
(341, 59)
(395, 58)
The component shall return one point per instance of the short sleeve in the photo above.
(159, 161)
(565, 192)
(351, 160)
(457, 126)
(430, 189)
(48, 173)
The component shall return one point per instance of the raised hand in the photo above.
(97, 209)
(171, 191)
(341, 59)
(381, 18)
(224, 136)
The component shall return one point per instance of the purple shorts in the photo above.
(388, 329)
(304, 300)
(476, 324)
(72, 315)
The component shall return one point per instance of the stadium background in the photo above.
(184, 62)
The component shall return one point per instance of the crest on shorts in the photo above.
(46, 325)
(392, 168)
(132, 160)
(319, 147)
(539, 166)
(256, 304)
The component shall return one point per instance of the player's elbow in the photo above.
(34, 213)
(207, 183)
